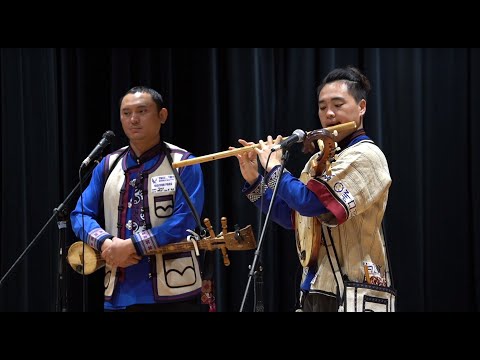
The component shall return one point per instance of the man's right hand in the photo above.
(248, 163)
(118, 252)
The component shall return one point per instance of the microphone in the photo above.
(97, 151)
(296, 137)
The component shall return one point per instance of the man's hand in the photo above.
(248, 163)
(264, 151)
(120, 252)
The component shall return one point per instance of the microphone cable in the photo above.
(260, 228)
(84, 280)
(258, 251)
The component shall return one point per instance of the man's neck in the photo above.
(140, 148)
(346, 142)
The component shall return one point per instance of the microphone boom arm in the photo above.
(98, 149)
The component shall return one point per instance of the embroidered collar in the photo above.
(147, 155)
(353, 138)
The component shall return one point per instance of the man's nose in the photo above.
(330, 114)
(134, 118)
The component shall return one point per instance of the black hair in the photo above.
(358, 85)
(143, 89)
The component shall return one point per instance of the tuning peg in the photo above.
(226, 260)
(209, 227)
(224, 225)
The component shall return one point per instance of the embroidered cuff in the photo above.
(144, 242)
(100, 242)
(273, 176)
(96, 237)
(258, 189)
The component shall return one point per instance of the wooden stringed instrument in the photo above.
(240, 239)
(308, 230)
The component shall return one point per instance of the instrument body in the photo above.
(308, 230)
(242, 239)
(308, 234)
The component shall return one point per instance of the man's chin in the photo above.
(136, 136)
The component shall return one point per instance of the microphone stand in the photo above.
(253, 267)
(258, 288)
(61, 214)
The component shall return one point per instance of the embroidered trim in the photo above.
(144, 242)
(273, 176)
(96, 237)
(256, 193)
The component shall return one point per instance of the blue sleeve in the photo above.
(299, 197)
(85, 223)
(281, 212)
(292, 195)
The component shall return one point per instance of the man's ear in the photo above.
(163, 115)
(363, 107)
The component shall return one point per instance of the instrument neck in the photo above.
(183, 246)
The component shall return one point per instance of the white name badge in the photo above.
(163, 183)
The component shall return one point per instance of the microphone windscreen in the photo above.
(109, 135)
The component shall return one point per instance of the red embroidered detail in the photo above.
(207, 297)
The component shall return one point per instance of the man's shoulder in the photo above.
(178, 150)
(118, 152)
(363, 146)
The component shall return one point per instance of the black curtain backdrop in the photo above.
(56, 104)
